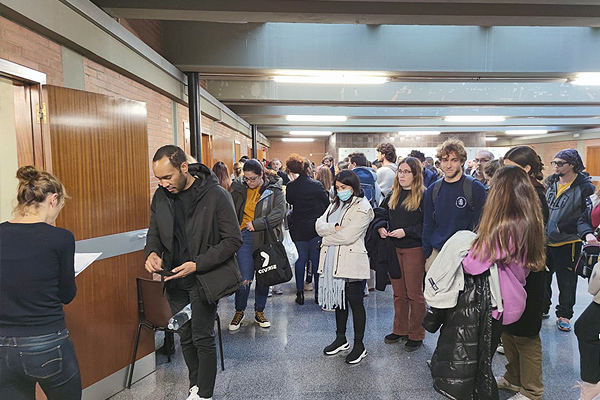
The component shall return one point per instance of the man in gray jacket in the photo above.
(192, 239)
(567, 195)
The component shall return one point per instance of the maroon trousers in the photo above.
(409, 302)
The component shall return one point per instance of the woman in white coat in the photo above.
(344, 263)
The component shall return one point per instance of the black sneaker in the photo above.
(356, 355)
(412, 345)
(339, 344)
(393, 338)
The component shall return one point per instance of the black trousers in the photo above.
(198, 335)
(562, 260)
(354, 298)
(587, 329)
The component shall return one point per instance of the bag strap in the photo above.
(270, 232)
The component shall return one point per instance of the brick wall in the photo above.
(25, 47)
(148, 31)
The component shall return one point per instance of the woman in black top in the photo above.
(405, 205)
(309, 200)
(38, 277)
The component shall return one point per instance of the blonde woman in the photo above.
(405, 228)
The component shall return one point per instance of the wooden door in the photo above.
(592, 162)
(238, 152)
(223, 151)
(207, 151)
(100, 153)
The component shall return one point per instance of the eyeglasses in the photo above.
(250, 179)
(559, 163)
(481, 160)
(404, 171)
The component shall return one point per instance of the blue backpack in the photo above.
(367, 184)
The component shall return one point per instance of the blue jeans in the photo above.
(48, 359)
(307, 251)
(246, 264)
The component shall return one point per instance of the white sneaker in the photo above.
(518, 396)
(193, 394)
(500, 349)
(589, 391)
(308, 287)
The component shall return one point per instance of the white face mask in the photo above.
(344, 194)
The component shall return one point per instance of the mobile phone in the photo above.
(164, 272)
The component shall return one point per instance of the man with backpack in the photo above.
(367, 177)
(450, 204)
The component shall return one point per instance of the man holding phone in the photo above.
(193, 234)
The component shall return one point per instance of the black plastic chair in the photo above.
(154, 314)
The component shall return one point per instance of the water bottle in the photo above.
(180, 318)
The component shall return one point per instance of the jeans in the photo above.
(48, 360)
(307, 251)
(562, 260)
(197, 336)
(246, 263)
(587, 330)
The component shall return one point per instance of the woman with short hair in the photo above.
(309, 200)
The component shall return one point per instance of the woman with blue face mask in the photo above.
(344, 263)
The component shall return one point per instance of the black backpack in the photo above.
(467, 191)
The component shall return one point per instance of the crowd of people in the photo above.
(468, 247)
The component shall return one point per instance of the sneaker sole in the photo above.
(562, 329)
(263, 324)
(411, 349)
(390, 341)
(359, 359)
(343, 347)
(235, 327)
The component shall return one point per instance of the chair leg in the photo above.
(218, 319)
(135, 348)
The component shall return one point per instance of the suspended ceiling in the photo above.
(441, 58)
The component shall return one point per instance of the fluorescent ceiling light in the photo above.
(474, 118)
(587, 78)
(419, 133)
(298, 140)
(332, 79)
(491, 139)
(526, 132)
(316, 118)
(311, 133)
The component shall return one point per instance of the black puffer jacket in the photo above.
(461, 365)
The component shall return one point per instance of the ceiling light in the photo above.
(298, 140)
(316, 118)
(587, 78)
(526, 132)
(419, 133)
(311, 133)
(491, 139)
(474, 118)
(332, 79)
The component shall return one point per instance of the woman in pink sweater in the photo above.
(510, 235)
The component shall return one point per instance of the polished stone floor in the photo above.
(286, 360)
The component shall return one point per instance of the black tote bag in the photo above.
(271, 262)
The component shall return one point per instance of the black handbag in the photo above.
(587, 259)
(271, 262)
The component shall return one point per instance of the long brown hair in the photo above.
(222, 172)
(511, 226)
(325, 177)
(413, 200)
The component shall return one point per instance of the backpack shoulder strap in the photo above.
(434, 193)
(468, 191)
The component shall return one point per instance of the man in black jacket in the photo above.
(192, 239)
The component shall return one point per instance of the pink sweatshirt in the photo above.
(512, 281)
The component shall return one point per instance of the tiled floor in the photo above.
(286, 360)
